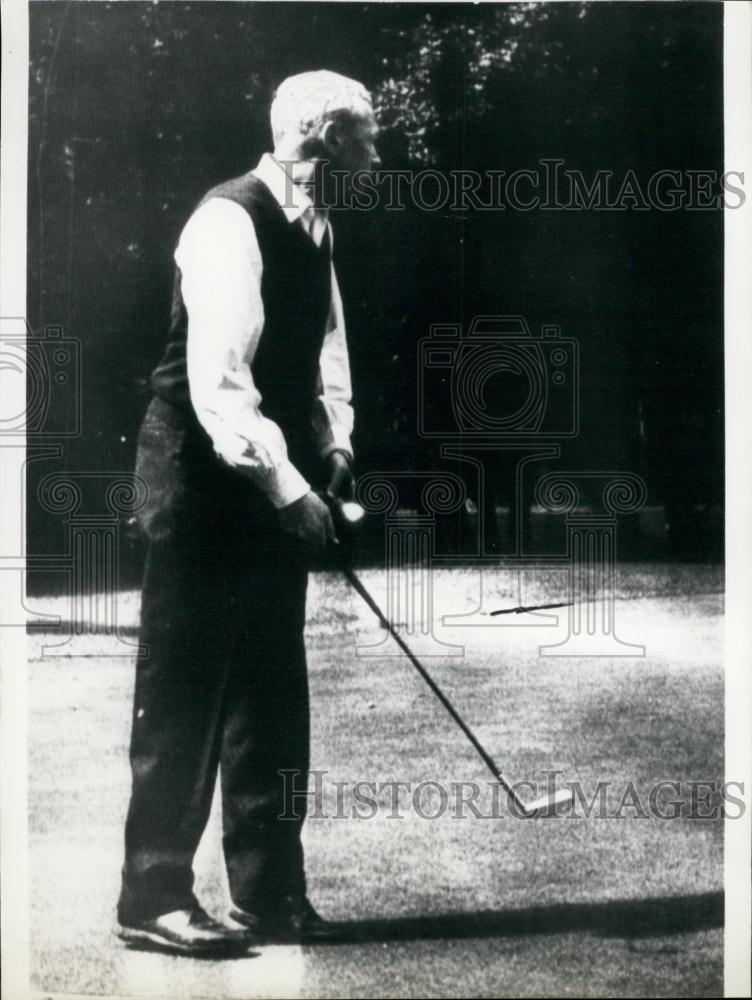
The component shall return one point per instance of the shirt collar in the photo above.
(291, 198)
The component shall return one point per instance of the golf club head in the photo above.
(547, 805)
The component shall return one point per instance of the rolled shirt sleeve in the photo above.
(333, 419)
(220, 264)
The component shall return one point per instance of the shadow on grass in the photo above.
(229, 955)
(628, 918)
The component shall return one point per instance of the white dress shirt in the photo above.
(220, 263)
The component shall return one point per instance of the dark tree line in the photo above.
(137, 108)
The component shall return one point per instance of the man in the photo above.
(251, 413)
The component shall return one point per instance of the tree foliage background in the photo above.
(136, 108)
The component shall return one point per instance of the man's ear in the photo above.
(330, 137)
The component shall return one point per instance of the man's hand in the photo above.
(339, 475)
(309, 521)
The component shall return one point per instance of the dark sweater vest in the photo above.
(296, 293)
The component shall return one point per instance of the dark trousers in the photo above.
(221, 686)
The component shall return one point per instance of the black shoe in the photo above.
(295, 921)
(187, 932)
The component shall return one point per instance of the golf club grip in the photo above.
(485, 757)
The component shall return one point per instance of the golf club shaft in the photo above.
(485, 757)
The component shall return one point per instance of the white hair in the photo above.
(304, 103)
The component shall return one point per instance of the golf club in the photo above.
(347, 515)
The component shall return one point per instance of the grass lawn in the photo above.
(459, 905)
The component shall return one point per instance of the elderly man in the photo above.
(251, 412)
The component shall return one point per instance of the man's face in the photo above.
(357, 144)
